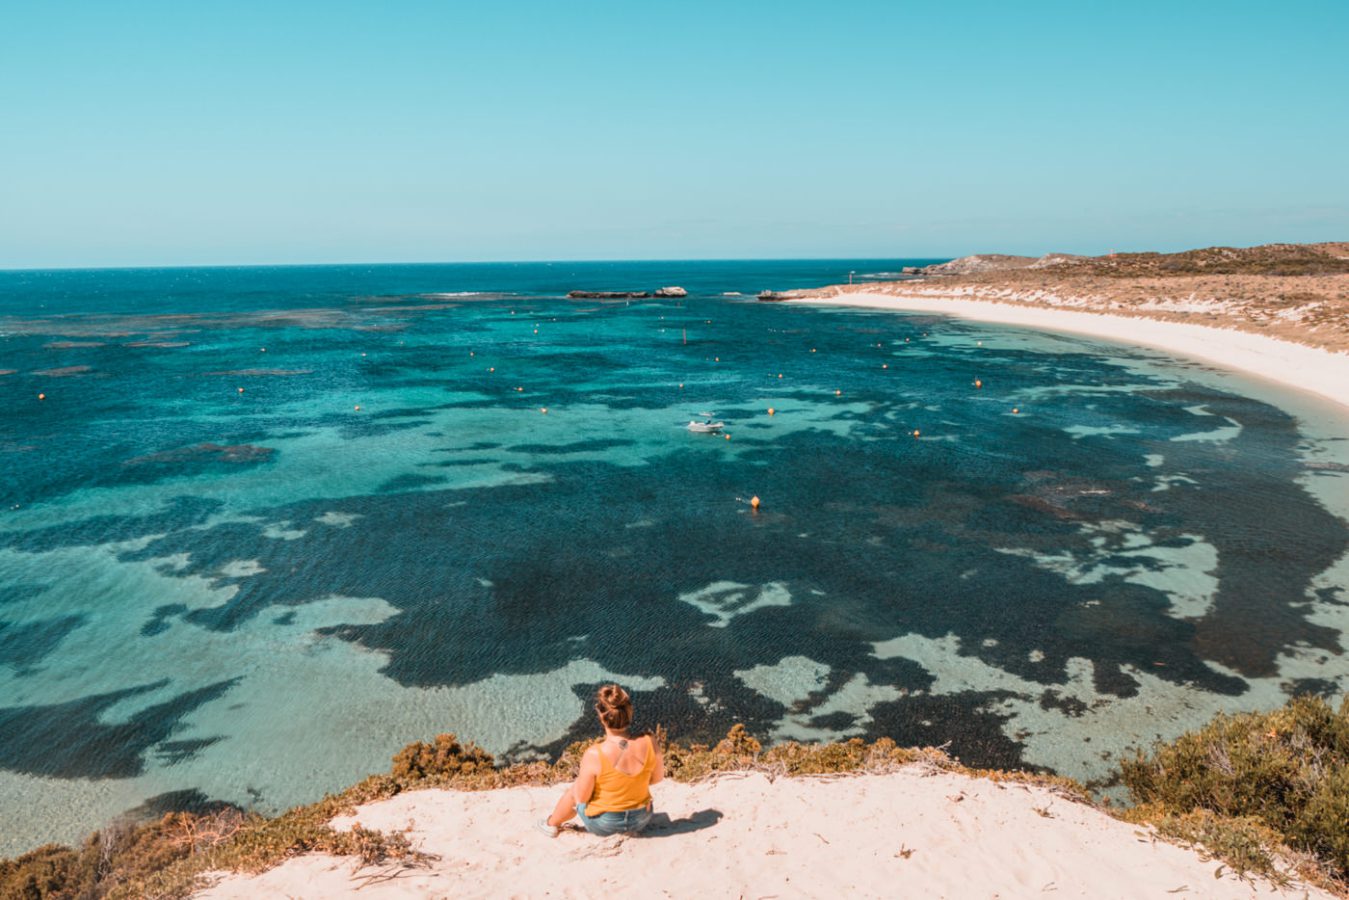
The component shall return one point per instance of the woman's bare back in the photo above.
(629, 760)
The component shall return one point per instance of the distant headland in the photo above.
(1280, 311)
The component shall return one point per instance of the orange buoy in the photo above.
(978, 383)
(917, 433)
(771, 411)
(838, 393)
(754, 502)
(42, 396)
(358, 407)
(885, 365)
(779, 374)
(491, 368)
(519, 390)
(1015, 411)
(727, 436)
(241, 390)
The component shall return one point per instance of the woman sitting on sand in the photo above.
(611, 795)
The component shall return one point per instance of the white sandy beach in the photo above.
(912, 833)
(1317, 371)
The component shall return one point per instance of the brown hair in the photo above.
(614, 707)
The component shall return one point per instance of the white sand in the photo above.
(913, 833)
(1311, 369)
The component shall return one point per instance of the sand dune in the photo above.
(912, 833)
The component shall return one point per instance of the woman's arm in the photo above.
(584, 785)
(657, 770)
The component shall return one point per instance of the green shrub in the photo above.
(1288, 770)
(445, 758)
(117, 860)
(48, 871)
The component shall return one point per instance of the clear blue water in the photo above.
(220, 579)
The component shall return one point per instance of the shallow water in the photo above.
(259, 596)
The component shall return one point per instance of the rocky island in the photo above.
(665, 292)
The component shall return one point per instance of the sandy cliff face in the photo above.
(1297, 292)
(1312, 310)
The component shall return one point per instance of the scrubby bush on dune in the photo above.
(162, 859)
(444, 757)
(1286, 771)
(117, 860)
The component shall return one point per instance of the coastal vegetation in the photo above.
(1292, 292)
(1263, 793)
(1251, 782)
(1267, 259)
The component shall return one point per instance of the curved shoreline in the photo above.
(1322, 373)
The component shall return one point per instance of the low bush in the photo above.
(1286, 770)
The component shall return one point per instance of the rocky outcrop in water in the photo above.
(225, 453)
(665, 292)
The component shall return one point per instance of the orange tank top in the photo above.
(617, 791)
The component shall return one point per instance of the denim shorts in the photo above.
(630, 821)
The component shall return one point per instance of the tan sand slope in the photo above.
(912, 833)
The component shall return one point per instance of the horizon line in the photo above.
(466, 262)
(473, 262)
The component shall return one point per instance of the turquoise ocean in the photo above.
(261, 527)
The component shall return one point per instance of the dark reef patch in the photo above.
(587, 446)
(19, 591)
(924, 721)
(201, 454)
(64, 371)
(24, 645)
(409, 482)
(68, 740)
(191, 800)
(173, 752)
(181, 513)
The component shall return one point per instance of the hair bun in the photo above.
(614, 707)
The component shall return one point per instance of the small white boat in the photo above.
(707, 426)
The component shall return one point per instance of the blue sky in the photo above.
(191, 133)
